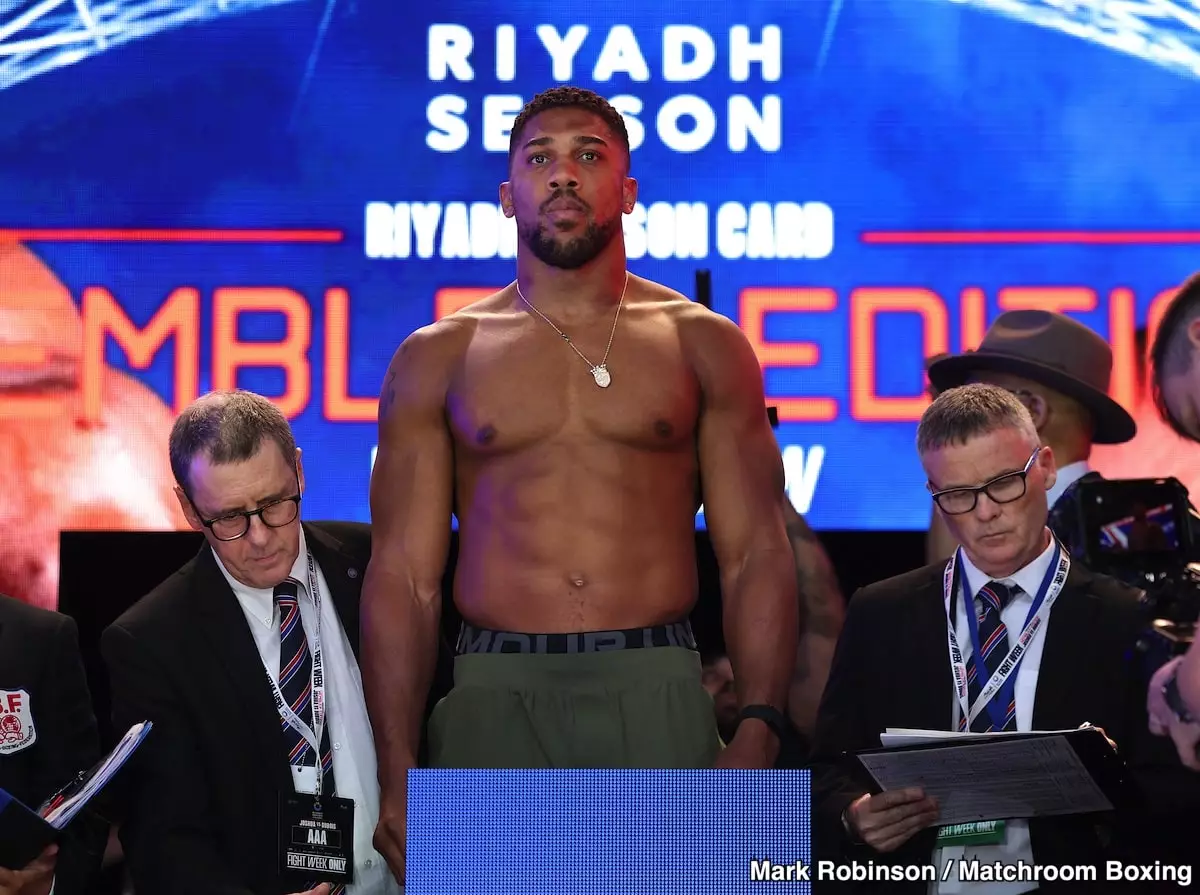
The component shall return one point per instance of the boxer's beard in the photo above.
(569, 254)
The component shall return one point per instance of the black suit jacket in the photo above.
(39, 653)
(203, 809)
(892, 669)
(1064, 518)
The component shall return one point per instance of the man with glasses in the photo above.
(259, 775)
(896, 665)
(1061, 371)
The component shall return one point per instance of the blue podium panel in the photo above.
(603, 832)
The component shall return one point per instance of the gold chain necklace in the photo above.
(599, 371)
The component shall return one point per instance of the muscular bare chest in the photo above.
(522, 385)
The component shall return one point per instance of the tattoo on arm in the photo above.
(821, 604)
(798, 529)
(388, 398)
(800, 535)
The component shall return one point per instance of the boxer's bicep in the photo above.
(743, 486)
(412, 481)
(740, 465)
(411, 502)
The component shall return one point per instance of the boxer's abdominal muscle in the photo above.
(576, 503)
(578, 538)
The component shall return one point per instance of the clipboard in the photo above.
(25, 832)
(1008, 775)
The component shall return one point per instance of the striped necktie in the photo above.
(994, 646)
(295, 682)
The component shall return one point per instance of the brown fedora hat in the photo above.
(1051, 349)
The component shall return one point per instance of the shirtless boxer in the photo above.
(575, 464)
(59, 471)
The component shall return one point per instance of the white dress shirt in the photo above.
(1016, 846)
(346, 717)
(1067, 476)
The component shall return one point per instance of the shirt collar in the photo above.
(1029, 578)
(1066, 477)
(265, 596)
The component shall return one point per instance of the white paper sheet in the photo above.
(907, 736)
(990, 777)
(62, 814)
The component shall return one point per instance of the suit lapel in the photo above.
(232, 647)
(342, 574)
(1073, 612)
(934, 698)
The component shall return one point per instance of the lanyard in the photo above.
(1051, 587)
(311, 736)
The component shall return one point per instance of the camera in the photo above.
(1143, 532)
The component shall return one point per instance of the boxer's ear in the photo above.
(629, 195)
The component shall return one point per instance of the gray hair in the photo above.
(229, 426)
(962, 413)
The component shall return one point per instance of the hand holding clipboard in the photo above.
(27, 835)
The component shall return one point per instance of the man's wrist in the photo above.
(754, 737)
(763, 718)
(394, 774)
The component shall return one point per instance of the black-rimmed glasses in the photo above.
(1002, 489)
(275, 514)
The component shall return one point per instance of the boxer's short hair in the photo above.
(569, 98)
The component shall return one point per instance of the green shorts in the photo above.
(597, 706)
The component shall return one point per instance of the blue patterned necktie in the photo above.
(994, 646)
(295, 683)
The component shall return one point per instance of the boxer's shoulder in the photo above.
(429, 353)
(646, 300)
(709, 341)
(717, 349)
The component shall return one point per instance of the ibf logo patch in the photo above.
(16, 721)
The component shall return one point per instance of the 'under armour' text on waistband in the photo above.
(483, 640)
